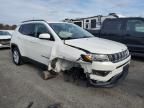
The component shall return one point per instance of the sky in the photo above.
(15, 11)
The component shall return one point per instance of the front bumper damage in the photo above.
(115, 72)
(113, 81)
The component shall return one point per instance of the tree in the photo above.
(6, 27)
(13, 27)
(1, 26)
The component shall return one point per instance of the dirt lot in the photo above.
(22, 87)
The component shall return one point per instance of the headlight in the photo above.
(100, 57)
(95, 57)
(87, 58)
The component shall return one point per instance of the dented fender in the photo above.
(64, 57)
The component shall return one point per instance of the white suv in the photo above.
(62, 46)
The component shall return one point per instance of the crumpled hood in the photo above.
(97, 45)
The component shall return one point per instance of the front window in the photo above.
(69, 31)
(135, 26)
(2, 33)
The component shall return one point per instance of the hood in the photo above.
(97, 45)
(5, 37)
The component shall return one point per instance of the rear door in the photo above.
(112, 29)
(134, 35)
(26, 35)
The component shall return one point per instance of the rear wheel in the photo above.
(17, 59)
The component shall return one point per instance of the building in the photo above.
(91, 23)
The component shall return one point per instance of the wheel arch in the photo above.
(13, 45)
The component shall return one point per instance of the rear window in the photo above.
(27, 29)
(112, 26)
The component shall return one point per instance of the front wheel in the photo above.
(16, 56)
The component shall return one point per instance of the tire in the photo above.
(16, 56)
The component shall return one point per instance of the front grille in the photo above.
(117, 57)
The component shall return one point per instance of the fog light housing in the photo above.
(100, 73)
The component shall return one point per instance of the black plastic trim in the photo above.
(36, 63)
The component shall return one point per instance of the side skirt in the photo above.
(36, 63)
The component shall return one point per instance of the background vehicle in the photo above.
(10, 31)
(129, 31)
(5, 37)
(68, 47)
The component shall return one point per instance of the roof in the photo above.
(126, 18)
(40, 20)
(33, 20)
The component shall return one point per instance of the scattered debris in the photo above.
(30, 105)
(48, 75)
(57, 105)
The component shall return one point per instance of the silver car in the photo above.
(5, 38)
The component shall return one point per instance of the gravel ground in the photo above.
(22, 87)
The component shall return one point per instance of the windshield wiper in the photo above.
(68, 38)
(85, 37)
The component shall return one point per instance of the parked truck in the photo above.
(129, 31)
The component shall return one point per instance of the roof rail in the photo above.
(33, 20)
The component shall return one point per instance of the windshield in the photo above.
(69, 31)
(2, 33)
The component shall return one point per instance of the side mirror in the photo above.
(44, 36)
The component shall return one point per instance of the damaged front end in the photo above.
(98, 70)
